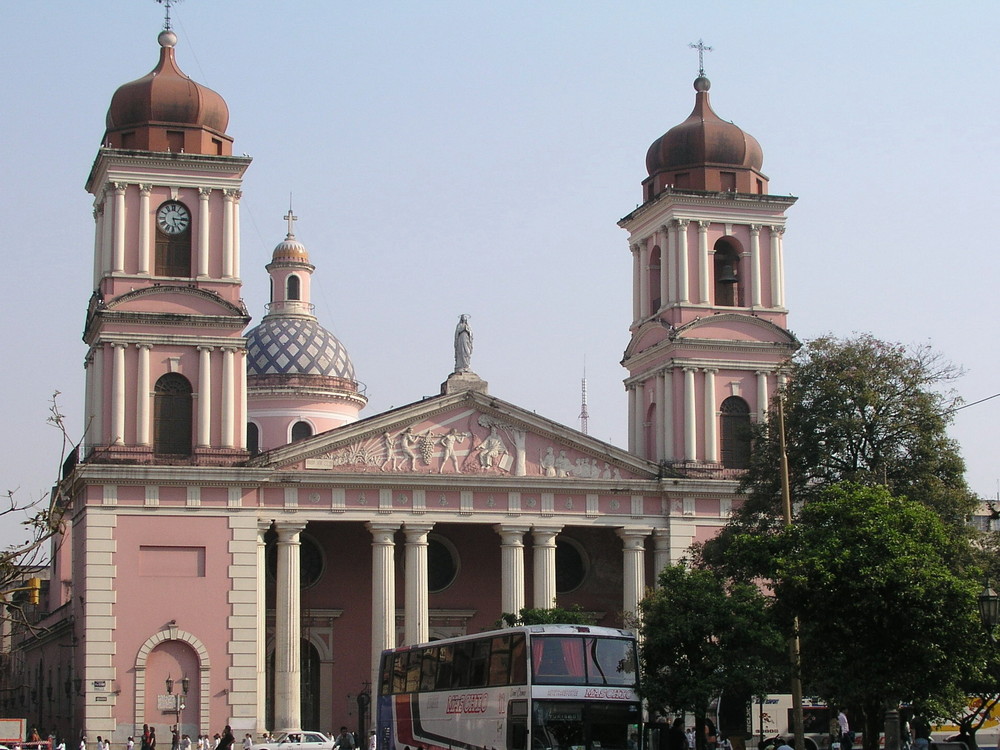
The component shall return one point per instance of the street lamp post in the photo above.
(989, 611)
(178, 700)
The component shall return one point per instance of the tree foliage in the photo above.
(859, 410)
(701, 636)
(574, 615)
(887, 612)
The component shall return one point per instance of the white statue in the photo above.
(463, 345)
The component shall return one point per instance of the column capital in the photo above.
(118, 187)
(143, 345)
(288, 531)
(681, 222)
(145, 189)
(633, 537)
(511, 534)
(545, 535)
(661, 539)
(710, 370)
(382, 533)
(119, 345)
(689, 368)
(777, 230)
(416, 530)
(755, 229)
(206, 348)
(263, 526)
(204, 192)
(703, 226)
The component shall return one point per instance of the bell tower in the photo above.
(708, 331)
(166, 365)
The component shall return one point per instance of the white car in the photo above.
(296, 741)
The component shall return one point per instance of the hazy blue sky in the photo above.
(475, 157)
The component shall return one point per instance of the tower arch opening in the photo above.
(173, 240)
(172, 415)
(736, 433)
(728, 274)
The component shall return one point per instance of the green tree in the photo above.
(702, 635)
(574, 615)
(886, 613)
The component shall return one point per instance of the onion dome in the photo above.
(705, 153)
(296, 346)
(167, 111)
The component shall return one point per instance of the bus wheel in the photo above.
(810, 743)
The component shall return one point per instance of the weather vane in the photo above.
(166, 19)
(700, 46)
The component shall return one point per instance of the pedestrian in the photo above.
(226, 740)
(152, 738)
(345, 740)
(921, 729)
(130, 744)
(145, 737)
(175, 738)
(784, 745)
(185, 742)
(846, 736)
(676, 738)
(247, 741)
(372, 740)
(83, 742)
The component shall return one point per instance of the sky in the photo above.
(475, 157)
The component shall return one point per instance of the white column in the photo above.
(98, 243)
(119, 252)
(671, 264)
(288, 629)
(640, 419)
(755, 295)
(107, 230)
(668, 414)
(544, 564)
(260, 727)
(780, 231)
(690, 430)
(95, 428)
(204, 227)
(663, 239)
(118, 394)
(511, 567)
(703, 291)
(236, 233)
(241, 368)
(383, 592)
(683, 280)
(644, 302)
(630, 389)
(661, 553)
(142, 396)
(776, 295)
(88, 401)
(660, 423)
(633, 568)
(711, 433)
(145, 230)
(204, 396)
(762, 396)
(417, 626)
(228, 396)
(228, 196)
(636, 269)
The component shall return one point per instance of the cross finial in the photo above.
(166, 17)
(702, 49)
(290, 217)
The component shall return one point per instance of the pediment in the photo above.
(179, 300)
(469, 434)
(735, 327)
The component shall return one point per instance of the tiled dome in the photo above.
(296, 346)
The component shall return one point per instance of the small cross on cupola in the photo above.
(290, 218)
(702, 49)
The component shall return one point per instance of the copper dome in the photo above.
(701, 148)
(167, 98)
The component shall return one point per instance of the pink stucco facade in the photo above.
(270, 573)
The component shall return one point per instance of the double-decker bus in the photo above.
(537, 687)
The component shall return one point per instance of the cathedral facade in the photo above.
(241, 541)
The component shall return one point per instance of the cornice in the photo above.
(134, 166)
(705, 198)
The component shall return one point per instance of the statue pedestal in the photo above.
(464, 381)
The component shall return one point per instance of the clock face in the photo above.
(173, 218)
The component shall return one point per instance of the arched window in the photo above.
(442, 563)
(728, 279)
(253, 438)
(735, 433)
(571, 565)
(173, 240)
(301, 430)
(294, 286)
(172, 415)
(654, 280)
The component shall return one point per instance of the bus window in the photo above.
(460, 666)
(558, 659)
(413, 672)
(557, 725)
(610, 661)
(428, 669)
(480, 663)
(518, 660)
(443, 681)
(399, 671)
(385, 678)
(500, 660)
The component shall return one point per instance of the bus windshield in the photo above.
(582, 660)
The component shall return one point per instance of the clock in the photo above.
(173, 218)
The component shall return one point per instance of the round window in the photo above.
(442, 563)
(571, 565)
(310, 559)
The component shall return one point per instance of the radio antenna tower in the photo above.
(584, 415)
